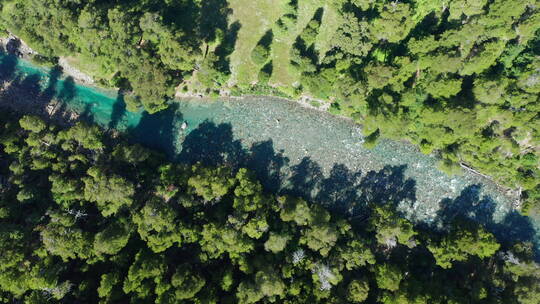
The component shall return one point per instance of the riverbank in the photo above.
(292, 149)
(14, 45)
(304, 102)
(21, 100)
(22, 50)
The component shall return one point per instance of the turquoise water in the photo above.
(100, 103)
(293, 150)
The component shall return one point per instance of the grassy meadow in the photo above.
(257, 18)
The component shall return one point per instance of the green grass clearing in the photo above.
(282, 75)
(89, 67)
(255, 18)
(258, 17)
(330, 23)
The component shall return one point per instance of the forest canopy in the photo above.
(458, 78)
(96, 220)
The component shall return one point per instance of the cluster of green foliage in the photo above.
(261, 52)
(459, 78)
(142, 46)
(85, 219)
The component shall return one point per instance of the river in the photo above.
(291, 148)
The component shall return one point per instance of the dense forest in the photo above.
(86, 217)
(458, 78)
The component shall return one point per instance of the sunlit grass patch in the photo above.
(90, 67)
(283, 41)
(255, 18)
(330, 23)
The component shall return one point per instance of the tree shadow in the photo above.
(54, 75)
(387, 185)
(305, 51)
(86, 114)
(118, 111)
(305, 179)
(516, 227)
(348, 192)
(266, 39)
(317, 16)
(8, 63)
(513, 227)
(304, 43)
(68, 90)
(341, 189)
(467, 205)
(13, 45)
(344, 190)
(181, 15)
(427, 26)
(267, 164)
(225, 49)
(32, 94)
(267, 70)
(212, 145)
(19, 92)
(294, 5)
(213, 17)
(30, 84)
(160, 130)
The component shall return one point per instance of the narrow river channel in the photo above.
(292, 149)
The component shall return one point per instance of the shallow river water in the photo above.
(292, 149)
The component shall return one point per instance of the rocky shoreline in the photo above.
(17, 99)
(281, 115)
(15, 46)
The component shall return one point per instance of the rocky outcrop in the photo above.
(13, 45)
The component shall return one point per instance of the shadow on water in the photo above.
(12, 47)
(30, 84)
(305, 178)
(118, 111)
(267, 164)
(388, 184)
(7, 66)
(31, 87)
(212, 145)
(54, 76)
(514, 227)
(68, 90)
(87, 114)
(31, 93)
(343, 190)
(160, 130)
